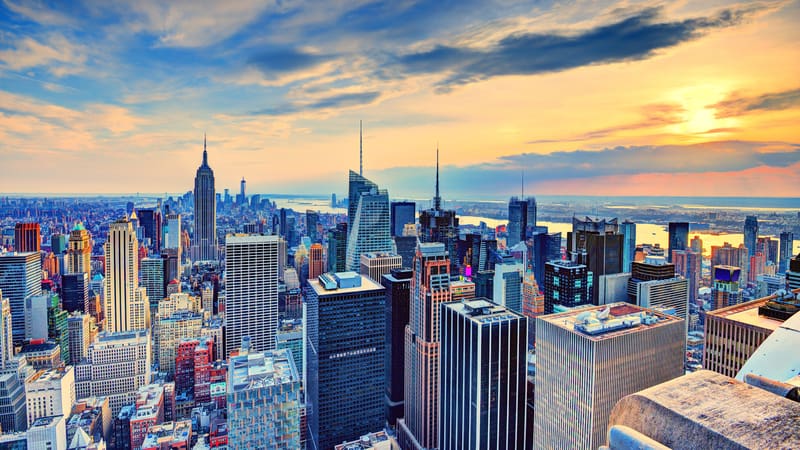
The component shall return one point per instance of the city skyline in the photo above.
(696, 95)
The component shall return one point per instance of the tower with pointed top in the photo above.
(440, 225)
(204, 242)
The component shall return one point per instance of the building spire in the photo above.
(360, 149)
(523, 185)
(205, 152)
(437, 200)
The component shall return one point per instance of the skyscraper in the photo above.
(628, 230)
(440, 225)
(596, 242)
(312, 219)
(241, 199)
(122, 279)
(689, 264)
(173, 235)
(532, 214)
(402, 213)
(337, 248)
(357, 185)
(371, 230)
(678, 237)
(20, 279)
(204, 242)
(316, 261)
(567, 284)
(697, 245)
(750, 234)
(153, 278)
(517, 221)
(375, 265)
(27, 237)
(150, 221)
(398, 295)
(622, 349)
(344, 329)
(785, 252)
(508, 284)
(251, 302)
(483, 386)
(429, 287)
(546, 247)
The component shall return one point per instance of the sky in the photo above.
(583, 97)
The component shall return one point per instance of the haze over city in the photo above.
(610, 98)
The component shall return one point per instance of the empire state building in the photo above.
(204, 244)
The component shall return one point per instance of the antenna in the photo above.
(523, 186)
(360, 149)
(437, 201)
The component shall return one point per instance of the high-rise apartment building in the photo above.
(750, 234)
(251, 272)
(204, 242)
(678, 237)
(27, 237)
(20, 279)
(482, 377)
(403, 213)
(371, 230)
(398, 295)
(566, 283)
(430, 286)
(620, 349)
(118, 364)
(376, 264)
(263, 401)
(79, 251)
(345, 349)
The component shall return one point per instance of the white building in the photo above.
(121, 280)
(251, 283)
(50, 393)
(80, 336)
(48, 433)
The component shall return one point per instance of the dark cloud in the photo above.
(280, 61)
(335, 101)
(502, 176)
(738, 105)
(635, 37)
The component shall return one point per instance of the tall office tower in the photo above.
(316, 260)
(725, 290)
(263, 401)
(430, 286)
(20, 279)
(628, 230)
(483, 386)
(696, 245)
(75, 292)
(79, 252)
(750, 234)
(345, 350)
(50, 393)
(689, 264)
(58, 243)
(532, 304)
(440, 225)
(251, 272)
(172, 329)
(153, 278)
(508, 277)
(532, 214)
(122, 276)
(357, 185)
(567, 284)
(733, 333)
(596, 243)
(80, 337)
(337, 248)
(403, 213)
(117, 366)
(375, 264)
(793, 274)
(371, 228)
(623, 348)
(398, 294)
(582, 228)
(678, 237)
(204, 242)
(785, 251)
(312, 220)
(150, 221)
(546, 247)
(517, 221)
(174, 234)
(27, 237)
(6, 335)
(241, 199)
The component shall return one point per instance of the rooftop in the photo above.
(258, 370)
(167, 433)
(367, 284)
(241, 238)
(43, 376)
(45, 421)
(373, 255)
(595, 323)
(748, 313)
(482, 310)
(369, 441)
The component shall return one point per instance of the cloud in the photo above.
(275, 61)
(39, 12)
(738, 105)
(56, 53)
(344, 100)
(637, 37)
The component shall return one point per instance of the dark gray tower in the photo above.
(204, 243)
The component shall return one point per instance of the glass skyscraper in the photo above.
(750, 234)
(402, 214)
(20, 279)
(371, 228)
(204, 241)
(679, 237)
(628, 230)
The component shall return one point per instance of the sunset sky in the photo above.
(588, 98)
